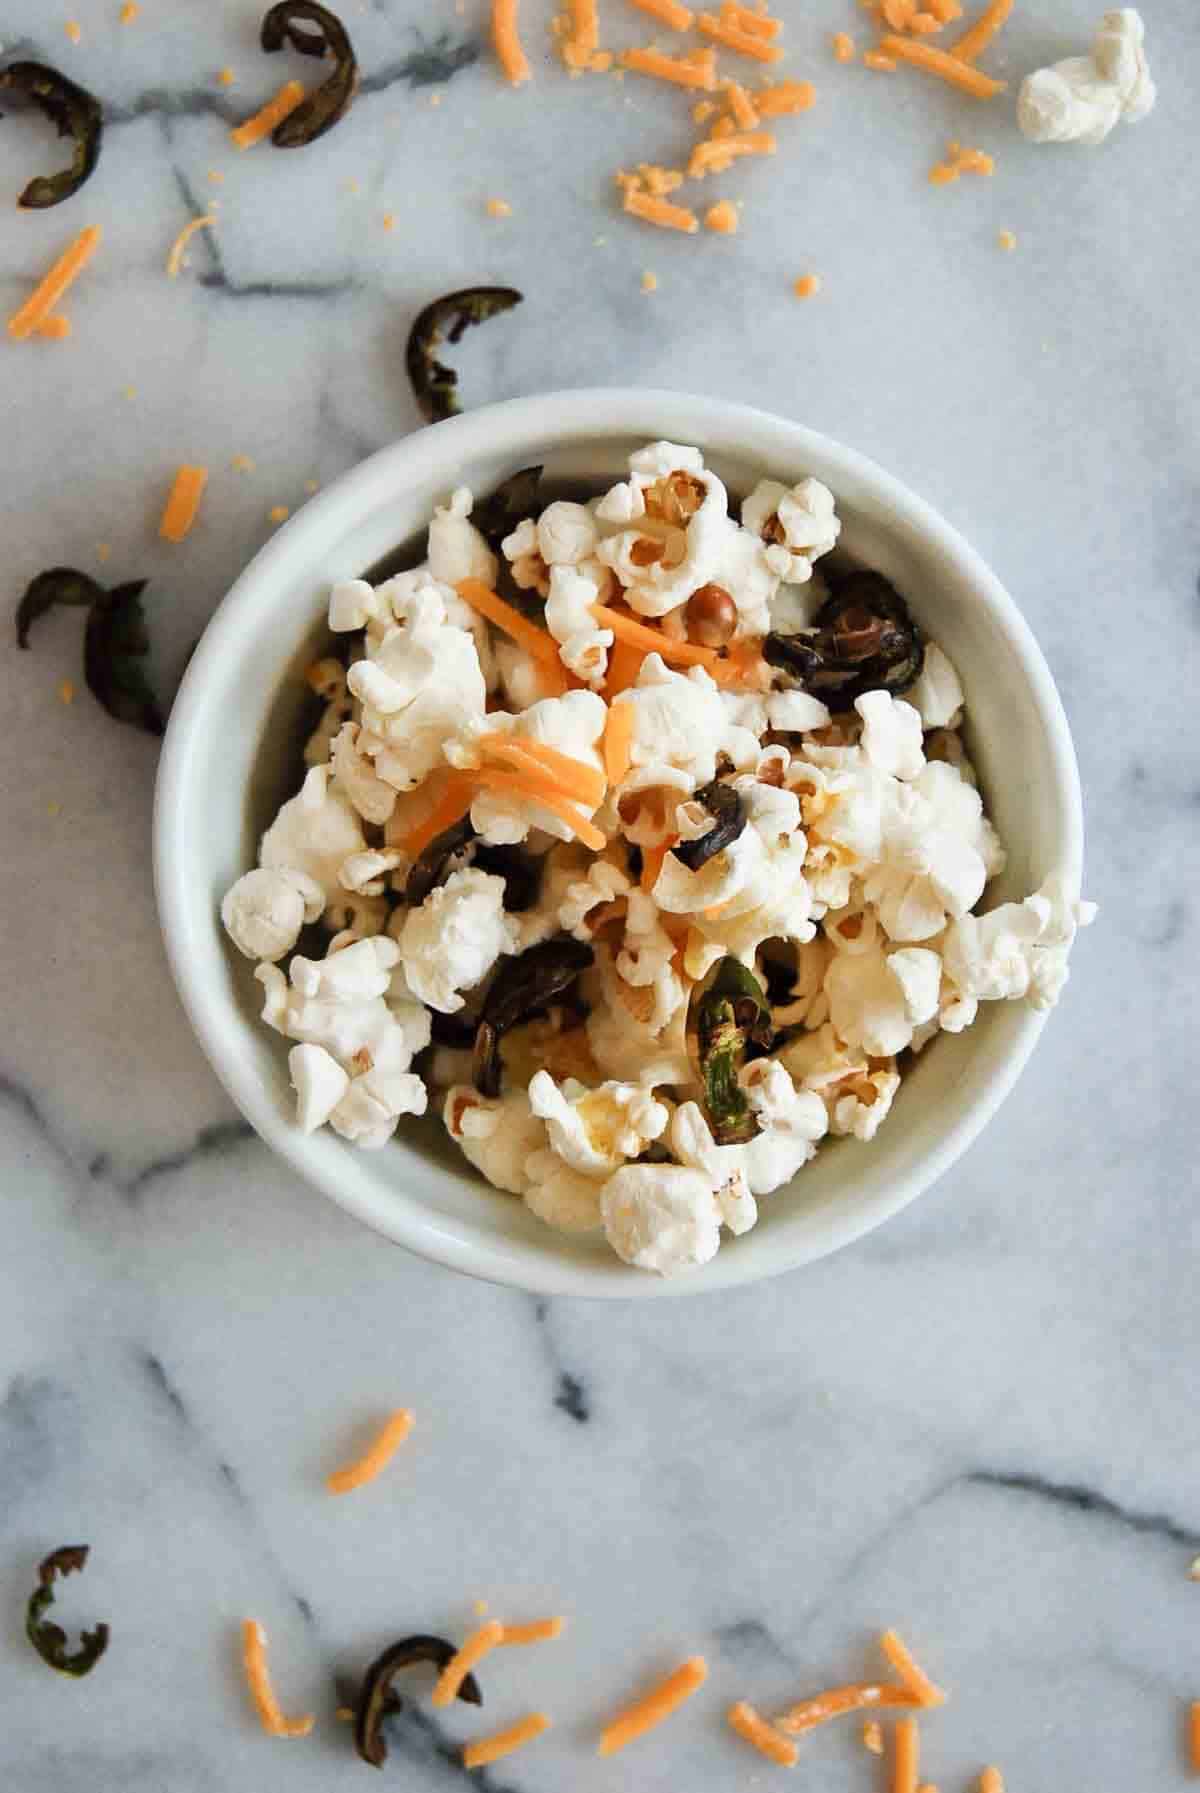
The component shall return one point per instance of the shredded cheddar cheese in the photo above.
(744, 43)
(74, 30)
(278, 513)
(807, 286)
(992, 1781)
(175, 259)
(924, 1691)
(129, 12)
(877, 60)
(945, 10)
(668, 12)
(45, 296)
(254, 1662)
(649, 281)
(66, 691)
(948, 67)
(538, 1631)
(872, 1736)
(712, 157)
(579, 48)
(624, 664)
(784, 98)
(897, 14)
(618, 740)
(577, 779)
(653, 641)
(722, 217)
(538, 787)
(657, 1705)
(741, 106)
(226, 77)
(498, 208)
(1007, 240)
(683, 71)
(660, 212)
(973, 42)
(376, 1459)
(507, 43)
(652, 864)
(183, 503)
(758, 24)
(765, 1738)
(489, 1634)
(839, 1700)
(843, 46)
(456, 799)
(253, 130)
(54, 329)
(494, 1749)
(702, 111)
(535, 641)
(906, 1757)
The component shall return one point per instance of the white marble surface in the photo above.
(979, 1424)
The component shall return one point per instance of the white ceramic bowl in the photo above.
(226, 765)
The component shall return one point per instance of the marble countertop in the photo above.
(978, 1424)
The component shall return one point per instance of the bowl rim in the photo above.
(554, 420)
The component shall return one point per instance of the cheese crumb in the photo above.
(389, 220)
(279, 513)
(843, 46)
(435, 99)
(130, 392)
(649, 282)
(1007, 240)
(66, 691)
(702, 111)
(311, 486)
(129, 12)
(480, 1609)
(241, 463)
(73, 30)
(54, 809)
(226, 77)
(103, 550)
(876, 59)
(498, 208)
(722, 218)
(807, 286)
(215, 176)
(872, 1736)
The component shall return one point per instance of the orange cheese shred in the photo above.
(872, 1736)
(50, 289)
(943, 63)
(624, 665)
(374, 1460)
(1193, 1749)
(652, 864)
(660, 212)
(683, 71)
(450, 808)
(897, 14)
(976, 40)
(745, 113)
(254, 1662)
(906, 1756)
(945, 10)
(460, 1665)
(578, 780)
(653, 641)
(537, 787)
(253, 130)
(722, 218)
(924, 24)
(494, 1749)
(765, 1738)
(924, 1691)
(858, 1697)
(536, 642)
(54, 329)
(668, 12)
(758, 24)
(657, 1705)
(843, 46)
(992, 1781)
(580, 47)
(877, 60)
(183, 503)
(179, 246)
(743, 42)
(618, 741)
(538, 1631)
(507, 43)
(785, 97)
(714, 156)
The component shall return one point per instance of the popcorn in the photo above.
(661, 1217)
(265, 910)
(876, 1004)
(891, 735)
(937, 695)
(679, 721)
(573, 724)
(499, 1137)
(319, 1082)
(372, 798)
(1082, 99)
(1018, 949)
(572, 592)
(416, 686)
(353, 604)
(598, 888)
(450, 943)
(646, 961)
(799, 525)
(563, 1198)
(566, 534)
(313, 833)
(595, 1130)
(457, 551)
(683, 532)
(373, 1104)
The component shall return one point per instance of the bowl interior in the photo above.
(232, 756)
